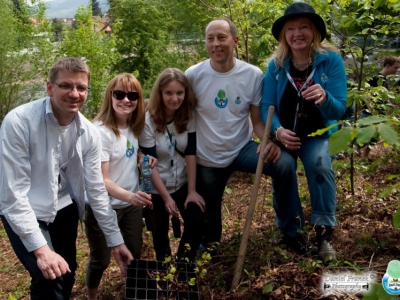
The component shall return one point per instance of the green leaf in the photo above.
(388, 134)
(365, 134)
(370, 120)
(192, 281)
(323, 130)
(228, 190)
(396, 219)
(340, 140)
(268, 289)
(379, 3)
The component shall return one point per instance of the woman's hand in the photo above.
(316, 93)
(197, 199)
(170, 206)
(152, 161)
(140, 199)
(289, 139)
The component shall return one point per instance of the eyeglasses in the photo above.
(120, 95)
(70, 87)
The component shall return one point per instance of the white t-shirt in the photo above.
(68, 135)
(223, 125)
(121, 153)
(173, 176)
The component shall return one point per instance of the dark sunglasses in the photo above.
(120, 95)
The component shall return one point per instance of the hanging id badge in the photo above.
(171, 182)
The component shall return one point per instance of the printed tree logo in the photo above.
(221, 100)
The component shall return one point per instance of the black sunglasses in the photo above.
(120, 95)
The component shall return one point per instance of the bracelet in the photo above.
(276, 133)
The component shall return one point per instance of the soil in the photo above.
(364, 239)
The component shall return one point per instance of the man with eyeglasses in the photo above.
(49, 157)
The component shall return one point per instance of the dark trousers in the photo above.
(130, 223)
(193, 219)
(61, 238)
(211, 182)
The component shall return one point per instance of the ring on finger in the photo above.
(286, 145)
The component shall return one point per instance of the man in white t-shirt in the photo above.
(227, 91)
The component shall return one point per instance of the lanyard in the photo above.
(299, 93)
(305, 83)
(172, 144)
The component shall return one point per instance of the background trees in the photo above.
(86, 40)
(24, 53)
(148, 36)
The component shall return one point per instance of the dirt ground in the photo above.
(365, 240)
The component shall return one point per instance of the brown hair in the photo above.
(156, 105)
(390, 60)
(68, 64)
(232, 26)
(107, 114)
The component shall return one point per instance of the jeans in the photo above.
(131, 225)
(211, 184)
(61, 238)
(314, 154)
(193, 219)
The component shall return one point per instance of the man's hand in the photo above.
(50, 263)
(272, 152)
(123, 257)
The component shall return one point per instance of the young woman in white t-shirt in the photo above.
(170, 136)
(120, 122)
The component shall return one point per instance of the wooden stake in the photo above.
(250, 210)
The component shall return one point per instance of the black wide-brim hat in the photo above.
(299, 10)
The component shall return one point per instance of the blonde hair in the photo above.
(283, 50)
(156, 106)
(107, 114)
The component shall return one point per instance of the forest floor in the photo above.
(365, 240)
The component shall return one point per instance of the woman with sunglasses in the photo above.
(120, 122)
(169, 135)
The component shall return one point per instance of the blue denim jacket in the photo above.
(30, 147)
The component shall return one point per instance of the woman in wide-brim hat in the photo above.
(306, 83)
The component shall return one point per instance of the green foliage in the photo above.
(268, 288)
(310, 265)
(396, 218)
(144, 41)
(96, 48)
(24, 54)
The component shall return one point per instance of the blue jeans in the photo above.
(61, 238)
(314, 154)
(211, 183)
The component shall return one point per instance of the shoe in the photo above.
(325, 246)
(326, 251)
(295, 243)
